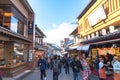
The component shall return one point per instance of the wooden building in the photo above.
(16, 36)
(99, 27)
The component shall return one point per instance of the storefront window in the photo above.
(14, 23)
(11, 18)
(20, 53)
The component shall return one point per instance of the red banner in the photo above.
(103, 51)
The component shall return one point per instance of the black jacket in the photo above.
(76, 66)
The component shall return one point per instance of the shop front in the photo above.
(72, 50)
(16, 17)
(72, 53)
(84, 49)
(13, 57)
(39, 52)
(102, 48)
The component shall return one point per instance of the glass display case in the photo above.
(2, 56)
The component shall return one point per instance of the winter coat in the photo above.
(76, 66)
(42, 64)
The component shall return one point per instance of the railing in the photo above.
(12, 33)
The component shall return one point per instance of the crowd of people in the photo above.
(108, 65)
(80, 67)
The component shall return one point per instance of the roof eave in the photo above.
(86, 8)
(40, 31)
(74, 32)
(27, 6)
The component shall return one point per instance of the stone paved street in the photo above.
(35, 75)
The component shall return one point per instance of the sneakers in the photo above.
(45, 78)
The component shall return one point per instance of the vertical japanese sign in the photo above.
(30, 27)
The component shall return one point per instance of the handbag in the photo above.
(108, 72)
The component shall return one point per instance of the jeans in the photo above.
(67, 69)
(60, 69)
(55, 75)
(77, 76)
(43, 73)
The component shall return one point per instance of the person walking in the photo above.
(60, 64)
(96, 64)
(56, 66)
(76, 67)
(116, 68)
(48, 62)
(43, 66)
(51, 63)
(102, 74)
(86, 68)
(67, 64)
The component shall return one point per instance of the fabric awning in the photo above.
(84, 47)
(79, 48)
(39, 47)
(72, 47)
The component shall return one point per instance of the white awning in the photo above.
(73, 47)
(84, 47)
(79, 48)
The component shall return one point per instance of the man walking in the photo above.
(60, 64)
(43, 65)
(76, 67)
(56, 66)
(67, 64)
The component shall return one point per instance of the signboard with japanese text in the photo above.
(30, 27)
(97, 16)
(94, 53)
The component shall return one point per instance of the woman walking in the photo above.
(86, 68)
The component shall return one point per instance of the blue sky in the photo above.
(54, 17)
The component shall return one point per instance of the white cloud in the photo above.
(54, 25)
(59, 33)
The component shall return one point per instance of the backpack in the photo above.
(55, 66)
(68, 61)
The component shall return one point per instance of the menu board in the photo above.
(117, 51)
(94, 53)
